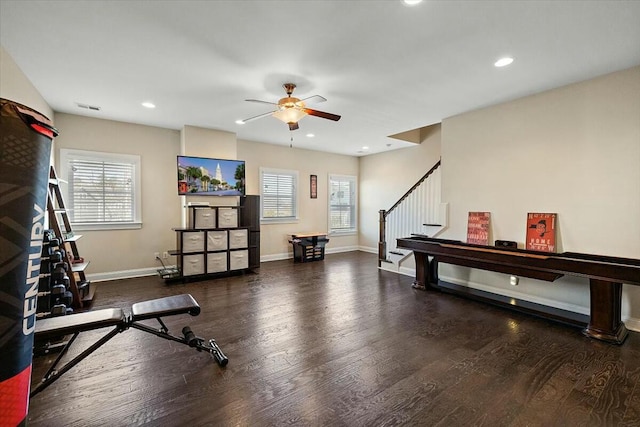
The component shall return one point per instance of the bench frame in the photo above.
(153, 309)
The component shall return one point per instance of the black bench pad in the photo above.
(167, 306)
(64, 325)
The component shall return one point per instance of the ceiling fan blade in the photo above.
(322, 114)
(261, 102)
(259, 116)
(314, 99)
(293, 126)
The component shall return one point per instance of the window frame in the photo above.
(67, 155)
(353, 180)
(295, 195)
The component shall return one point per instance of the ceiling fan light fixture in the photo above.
(289, 115)
(290, 109)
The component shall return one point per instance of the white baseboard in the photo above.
(123, 274)
(389, 266)
(632, 324)
(275, 257)
(141, 272)
(368, 249)
(341, 249)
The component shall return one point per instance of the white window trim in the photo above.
(286, 220)
(66, 153)
(354, 230)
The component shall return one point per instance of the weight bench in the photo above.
(73, 324)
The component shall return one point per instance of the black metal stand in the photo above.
(113, 317)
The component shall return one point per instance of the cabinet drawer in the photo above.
(192, 241)
(216, 240)
(217, 262)
(238, 259)
(192, 264)
(204, 218)
(238, 239)
(227, 217)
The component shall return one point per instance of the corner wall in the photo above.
(574, 151)
(385, 177)
(115, 253)
(15, 86)
(313, 213)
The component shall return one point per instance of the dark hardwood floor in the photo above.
(340, 343)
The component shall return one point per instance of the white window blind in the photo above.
(279, 194)
(342, 204)
(103, 188)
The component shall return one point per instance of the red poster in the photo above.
(478, 228)
(541, 232)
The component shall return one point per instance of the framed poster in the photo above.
(541, 232)
(313, 186)
(478, 228)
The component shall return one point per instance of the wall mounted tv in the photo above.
(201, 176)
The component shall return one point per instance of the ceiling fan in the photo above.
(290, 110)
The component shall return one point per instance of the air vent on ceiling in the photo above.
(88, 107)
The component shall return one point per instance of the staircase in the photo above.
(419, 211)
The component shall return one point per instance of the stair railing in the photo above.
(418, 207)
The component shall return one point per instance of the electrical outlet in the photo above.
(165, 255)
(156, 255)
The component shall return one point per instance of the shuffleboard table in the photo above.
(606, 275)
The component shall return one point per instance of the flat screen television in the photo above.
(202, 176)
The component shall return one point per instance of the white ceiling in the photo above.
(383, 66)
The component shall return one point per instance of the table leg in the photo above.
(605, 321)
(422, 271)
(426, 272)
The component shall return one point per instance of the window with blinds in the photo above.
(102, 190)
(278, 194)
(342, 204)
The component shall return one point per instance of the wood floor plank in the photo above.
(339, 343)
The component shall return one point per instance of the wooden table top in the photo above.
(311, 234)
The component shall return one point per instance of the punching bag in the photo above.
(25, 149)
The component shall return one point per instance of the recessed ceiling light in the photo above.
(365, 148)
(240, 122)
(411, 2)
(148, 104)
(503, 62)
(310, 135)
